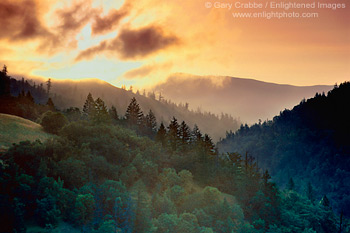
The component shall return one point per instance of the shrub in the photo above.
(52, 122)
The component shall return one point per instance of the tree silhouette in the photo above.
(184, 133)
(173, 133)
(133, 113)
(151, 122)
(100, 114)
(89, 107)
(49, 85)
(161, 134)
(196, 135)
(4, 82)
(113, 113)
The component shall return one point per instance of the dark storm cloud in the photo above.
(131, 44)
(20, 21)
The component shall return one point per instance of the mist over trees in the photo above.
(72, 94)
(109, 170)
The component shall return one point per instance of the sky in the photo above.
(143, 42)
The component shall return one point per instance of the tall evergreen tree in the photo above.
(196, 135)
(113, 113)
(89, 107)
(161, 134)
(173, 134)
(151, 122)
(325, 202)
(134, 115)
(209, 145)
(4, 70)
(101, 114)
(5, 87)
(49, 85)
(184, 133)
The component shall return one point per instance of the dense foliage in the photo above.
(109, 173)
(101, 176)
(52, 122)
(309, 144)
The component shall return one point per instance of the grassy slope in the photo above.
(14, 129)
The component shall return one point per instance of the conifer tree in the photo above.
(161, 134)
(49, 84)
(113, 113)
(196, 135)
(325, 202)
(5, 87)
(134, 115)
(4, 70)
(173, 133)
(89, 107)
(101, 114)
(209, 145)
(184, 133)
(150, 122)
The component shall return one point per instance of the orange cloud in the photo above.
(109, 22)
(143, 71)
(20, 21)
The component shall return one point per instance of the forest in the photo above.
(106, 172)
(308, 145)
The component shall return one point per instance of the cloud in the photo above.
(70, 20)
(142, 42)
(143, 71)
(19, 20)
(133, 43)
(108, 22)
(90, 52)
(76, 17)
(139, 72)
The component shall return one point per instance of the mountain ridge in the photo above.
(236, 96)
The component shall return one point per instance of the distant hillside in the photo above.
(15, 129)
(73, 94)
(248, 99)
(309, 143)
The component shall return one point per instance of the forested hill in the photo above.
(67, 94)
(103, 173)
(309, 143)
(73, 93)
